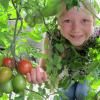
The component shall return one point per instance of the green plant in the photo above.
(40, 16)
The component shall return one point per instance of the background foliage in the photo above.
(23, 22)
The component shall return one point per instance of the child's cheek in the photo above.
(66, 28)
(89, 31)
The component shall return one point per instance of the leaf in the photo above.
(71, 3)
(34, 96)
(4, 97)
(5, 4)
(62, 95)
(60, 47)
(92, 66)
(39, 55)
(56, 97)
(97, 5)
(52, 8)
(96, 84)
(21, 97)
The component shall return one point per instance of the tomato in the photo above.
(24, 66)
(8, 62)
(5, 74)
(19, 83)
(7, 87)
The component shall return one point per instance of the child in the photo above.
(76, 26)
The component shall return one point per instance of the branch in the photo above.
(89, 10)
(20, 28)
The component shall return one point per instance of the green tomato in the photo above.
(5, 74)
(19, 83)
(7, 87)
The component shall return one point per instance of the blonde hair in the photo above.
(82, 3)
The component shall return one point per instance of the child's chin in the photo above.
(77, 44)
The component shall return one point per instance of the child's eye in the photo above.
(67, 20)
(85, 20)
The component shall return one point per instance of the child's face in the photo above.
(76, 25)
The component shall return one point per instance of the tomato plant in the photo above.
(24, 66)
(5, 74)
(18, 38)
(19, 83)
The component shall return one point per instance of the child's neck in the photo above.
(79, 47)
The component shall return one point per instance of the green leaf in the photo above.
(71, 3)
(39, 55)
(34, 96)
(52, 8)
(4, 97)
(96, 84)
(5, 4)
(56, 97)
(21, 97)
(60, 47)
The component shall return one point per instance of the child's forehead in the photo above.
(73, 11)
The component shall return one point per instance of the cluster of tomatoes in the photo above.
(10, 82)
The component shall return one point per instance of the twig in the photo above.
(15, 30)
(89, 10)
(20, 28)
(13, 44)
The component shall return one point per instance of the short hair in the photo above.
(87, 4)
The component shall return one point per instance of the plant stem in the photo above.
(85, 5)
(13, 44)
(20, 28)
(15, 29)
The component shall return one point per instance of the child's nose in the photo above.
(76, 26)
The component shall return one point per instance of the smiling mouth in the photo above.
(76, 36)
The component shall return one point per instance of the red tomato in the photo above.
(7, 62)
(24, 66)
